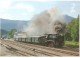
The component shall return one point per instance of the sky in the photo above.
(26, 9)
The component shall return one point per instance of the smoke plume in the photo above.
(50, 21)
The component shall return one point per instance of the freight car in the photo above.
(51, 40)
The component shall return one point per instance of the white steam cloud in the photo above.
(50, 21)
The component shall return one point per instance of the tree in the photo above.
(73, 30)
(11, 33)
(75, 33)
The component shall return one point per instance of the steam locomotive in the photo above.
(50, 40)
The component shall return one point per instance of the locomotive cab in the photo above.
(54, 40)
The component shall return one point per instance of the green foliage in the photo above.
(11, 33)
(72, 43)
(72, 33)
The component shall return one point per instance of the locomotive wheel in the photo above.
(59, 44)
(50, 44)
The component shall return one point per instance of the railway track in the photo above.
(10, 51)
(53, 49)
(13, 50)
(41, 49)
(27, 50)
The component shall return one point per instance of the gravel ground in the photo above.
(11, 52)
(6, 52)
